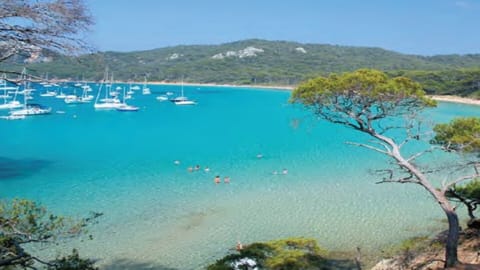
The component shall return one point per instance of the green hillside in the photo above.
(243, 62)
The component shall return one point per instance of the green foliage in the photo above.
(357, 99)
(280, 63)
(72, 262)
(459, 81)
(291, 253)
(469, 195)
(461, 134)
(471, 190)
(25, 222)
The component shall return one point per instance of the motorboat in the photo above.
(48, 94)
(127, 108)
(107, 105)
(32, 109)
(185, 102)
(162, 98)
(13, 117)
(13, 104)
(76, 100)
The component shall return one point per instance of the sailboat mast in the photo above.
(182, 86)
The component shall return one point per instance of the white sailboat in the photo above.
(13, 117)
(47, 93)
(162, 98)
(182, 99)
(84, 98)
(124, 107)
(28, 109)
(145, 89)
(8, 104)
(31, 109)
(106, 103)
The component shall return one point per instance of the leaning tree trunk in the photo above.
(451, 245)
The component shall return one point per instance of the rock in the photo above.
(474, 224)
(301, 50)
(387, 264)
(247, 52)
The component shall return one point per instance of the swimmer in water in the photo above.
(217, 179)
(239, 246)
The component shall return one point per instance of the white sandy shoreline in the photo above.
(277, 87)
(443, 98)
(456, 99)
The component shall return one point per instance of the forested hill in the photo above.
(243, 62)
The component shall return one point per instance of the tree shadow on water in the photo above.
(124, 264)
(14, 168)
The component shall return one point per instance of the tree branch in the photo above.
(369, 147)
(413, 157)
(391, 179)
(458, 180)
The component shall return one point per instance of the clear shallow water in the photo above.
(159, 214)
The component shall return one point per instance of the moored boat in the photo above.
(127, 108)
(31, 109)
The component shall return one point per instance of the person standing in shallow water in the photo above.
(239, 246)
(217, 179)
(226, 180)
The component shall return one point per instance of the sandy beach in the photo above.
(279, 87)
(456, 99)
(444, 98)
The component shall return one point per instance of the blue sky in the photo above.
(425, 27)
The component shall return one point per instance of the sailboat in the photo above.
(145, 89)
(183, 100)
(13, 104)
(46, 85)
(107, 102)
(84, 98)
(124, 107)
(29, 109)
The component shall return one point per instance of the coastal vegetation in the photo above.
(464, 82)
(27, 28)
(366, 101)
(291, 253)
(25, 223)
(48, 43)
(462, 135)
(255, 61)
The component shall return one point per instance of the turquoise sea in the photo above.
(159, 215)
